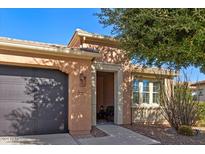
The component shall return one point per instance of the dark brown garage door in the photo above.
(32, 101)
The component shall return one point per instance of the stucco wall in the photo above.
(127, 95)
(141, 114)
(113, 55)
(148, 115)
(79, 111)
(108, 54)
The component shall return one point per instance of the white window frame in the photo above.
(141, 103)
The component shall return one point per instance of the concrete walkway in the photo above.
(118, 136)
(49, 139)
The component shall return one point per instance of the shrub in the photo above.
(185, 130)
(178, 105)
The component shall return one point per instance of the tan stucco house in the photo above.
(49, 88)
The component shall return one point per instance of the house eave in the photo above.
(15, 48)
(92, 38)
(156, 72)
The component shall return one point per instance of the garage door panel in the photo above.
(51, 115)
(54, 126)
(53, 110)
(26, 127)
(11, 128)
(7, 128)
(9, 108)
(10, 92)
(32, 101)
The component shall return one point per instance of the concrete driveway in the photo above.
(49, 139)
(116, 136)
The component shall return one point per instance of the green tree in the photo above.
(172, 38)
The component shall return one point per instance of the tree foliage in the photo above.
(174, 38)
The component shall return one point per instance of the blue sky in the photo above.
(48, 25)
(56, 26)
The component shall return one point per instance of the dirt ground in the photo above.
(168, 136)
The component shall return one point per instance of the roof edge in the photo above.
(59, 51)
(154, 71)
(82, 33)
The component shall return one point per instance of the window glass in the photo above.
(146, 98)
(156, 88)
(135, 85)
(200, 92)
(136, 97)
(135, 92)
(145, 86)
(145, 91)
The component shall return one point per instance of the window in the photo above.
(146, 91)
(135, 92)
(200, 92)
(156, 88)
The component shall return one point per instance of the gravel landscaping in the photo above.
(166, 135)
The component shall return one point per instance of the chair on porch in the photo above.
(101, 114)
(110, 113)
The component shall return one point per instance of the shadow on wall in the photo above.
(80, 96)
(108, 54)
(148, 115)
(45, 108)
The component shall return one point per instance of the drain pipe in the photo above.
(131, 115)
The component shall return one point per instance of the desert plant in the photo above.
(178, 105)
(185, 130)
